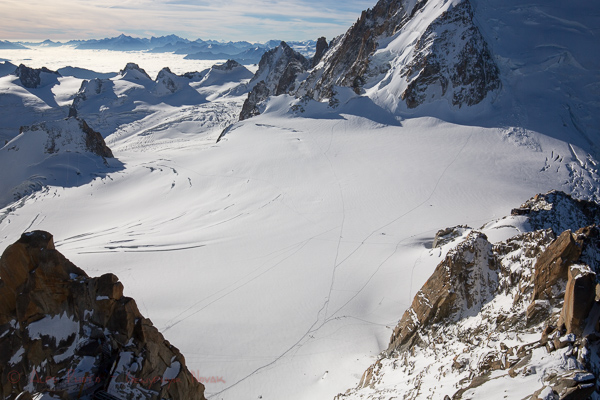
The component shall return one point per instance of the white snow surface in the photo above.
(56, 327)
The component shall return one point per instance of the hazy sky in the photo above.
(256, 20)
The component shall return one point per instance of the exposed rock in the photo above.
(166, 81)
(230, 65)
(322, 47)
(574, 385)
(446, 59)
(446, 235)
(559, 211)
(463, 282)
(471, 316)
(579, 298)
(133, 71)
(454, 60)
(277, 70)
(251, 105)
(71, 134)
(31, 77)
(552, 266)
(59, 326)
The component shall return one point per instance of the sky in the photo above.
(254, 21)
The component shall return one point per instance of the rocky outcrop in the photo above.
(321, 49)
(71, 134)
(559, 211)
(462, 283)
(31, 77)
(447, 235)
(66, 334)
(229, 65)
(134, 71)
(166, 81)
(469, 318)
(276, 75)
(579, 299)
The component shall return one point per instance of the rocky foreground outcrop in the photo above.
(521, 314)
(65, 334)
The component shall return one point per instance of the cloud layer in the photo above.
(259, 20)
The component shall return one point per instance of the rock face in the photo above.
(321, 49)
(276, 75)
(31, 77)
(468, 319)
(418, 51)
(66, 334)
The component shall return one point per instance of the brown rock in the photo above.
(552, 266)
(463, 281)
(39, 283)
(579, 298)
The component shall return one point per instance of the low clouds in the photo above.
(259, 20)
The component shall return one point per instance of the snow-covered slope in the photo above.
(61, 153)
(21, 105)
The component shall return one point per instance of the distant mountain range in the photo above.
(199, 49)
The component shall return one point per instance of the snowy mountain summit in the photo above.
(414, 51)
(401, 54)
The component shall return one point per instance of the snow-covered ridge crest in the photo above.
(514, 319)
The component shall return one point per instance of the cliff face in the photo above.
(522, 313)
(66, 334)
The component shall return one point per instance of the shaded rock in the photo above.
(277, 70)
(453, 60)
(167, 81)
(321, 49)
(31, 77)
(559, 211)
(229, 65)
(552, 266)
(54, 319)
(71, 134)
(133, 71)
(444, 236)
(574, 385)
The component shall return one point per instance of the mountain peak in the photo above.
(415, 51)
